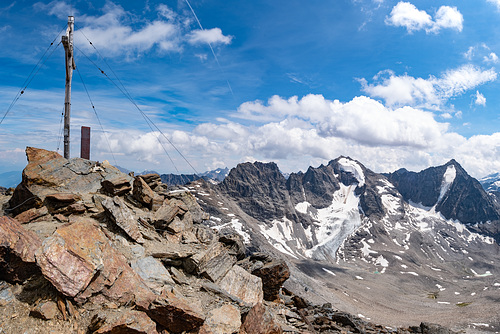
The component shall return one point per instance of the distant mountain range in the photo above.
(433, 230)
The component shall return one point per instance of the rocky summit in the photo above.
(85, 248)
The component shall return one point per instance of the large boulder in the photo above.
(17, 251)
(176, 314)
(49, 173)
(260, 320)
(273, 275)
(240, 283)
(80, 262)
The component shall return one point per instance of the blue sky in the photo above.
(390, 83)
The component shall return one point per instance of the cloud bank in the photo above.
(431, 93)
(118, 32)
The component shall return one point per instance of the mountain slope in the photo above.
(345, 223)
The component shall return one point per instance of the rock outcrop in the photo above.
(129, 257)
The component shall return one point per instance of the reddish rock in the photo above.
(175, 314)
(17, 251)
(122, 321)
(259, 321)
(45, 310)
(31, 214)
(273, 275)
(80, 262)
(70, 258)
(40, 156)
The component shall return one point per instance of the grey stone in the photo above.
(122, 216)
(152, 271)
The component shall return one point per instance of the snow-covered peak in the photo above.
(353, 167)
(448, 178)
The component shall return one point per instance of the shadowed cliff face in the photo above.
(450, 189)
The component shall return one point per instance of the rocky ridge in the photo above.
(85, 248)
(345, 223)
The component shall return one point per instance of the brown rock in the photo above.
(70, 258)
(225, 319)
(273, 275)
(117, 186)
(40, 156)
(45, 310)
(240, 283)
(31, 214)
(122, 321)
(213, 263)
(235, 243)
(167, 212)
(179, 224)
(122, 216)
(62, 308)
(145, 195)
(259, 321)
(48, 173)
(80, 262)
(175, 314)
(190, 204)
(153, 180)
(17, 251)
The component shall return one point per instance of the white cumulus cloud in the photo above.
(480, 99)
(406, 14)
(118, 32)
(431, 93)
(211, 36)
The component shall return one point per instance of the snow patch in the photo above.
(329, 271)
(448, 178)
(302, 207)
(353, 167)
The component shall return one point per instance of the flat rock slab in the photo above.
(17, 251)
(213, 263)
(176, 314)
(153, 272)
(243, 285)
(122, 321)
